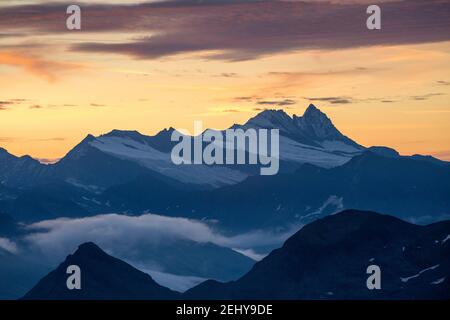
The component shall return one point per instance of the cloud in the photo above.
(227, 75)
(251, 254)
(11, 35)
(38, 66)
(7, 139)
(172, 281)
(284, 102)
(332, 100)
(246, 98)
(5, 104)
(388, 101)
(151, 243)
(239, 30)
(427, 96)
(8, 245)
(50, 139)
(48, 160)
(121, 235)
(443, 83)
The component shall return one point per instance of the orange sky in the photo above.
(50, 98)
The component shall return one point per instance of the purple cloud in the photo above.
(240, 30)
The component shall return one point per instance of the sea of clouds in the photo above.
(128, 238)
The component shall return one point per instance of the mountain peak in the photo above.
(165, 132)
(123, 133)
(313, 127)
(106, 277)
(313, 114)
(272, 119)
(312, 108)
(384, 151)
(316, 124)
(270, 114)
(88, 138)
(88, 247)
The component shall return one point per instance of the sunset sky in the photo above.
(153, 65)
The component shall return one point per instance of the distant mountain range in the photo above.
(124, 172)
(128, 154)
(326, 259)
(321, 171)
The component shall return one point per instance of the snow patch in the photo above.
(250, 253)
(336, 145)
(438, 281)
(406, 279)
(143, 154)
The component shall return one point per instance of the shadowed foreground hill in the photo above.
(326, 259)
(102, 277)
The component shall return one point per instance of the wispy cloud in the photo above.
(226, 75)
(332, 100)
(7, 139)
(36, 65)
(6, 104)
(230, 110)
(283, 102)
(426, 96)
(8, 245)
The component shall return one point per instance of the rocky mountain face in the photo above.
(328, 259)
(103, 278)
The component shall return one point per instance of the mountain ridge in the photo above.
(326, 259)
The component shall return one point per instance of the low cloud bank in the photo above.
(123, 235)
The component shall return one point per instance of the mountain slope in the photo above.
(409, 188)
(19, 172)
(8, 226)
(18, 272)
(102, 277)
(327, 259)
(321, 171)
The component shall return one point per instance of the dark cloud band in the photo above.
(240, 30)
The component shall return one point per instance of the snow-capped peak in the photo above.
(271, 119)
(316, 125)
